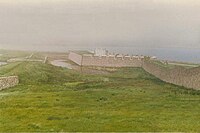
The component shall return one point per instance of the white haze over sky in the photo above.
(47, 24)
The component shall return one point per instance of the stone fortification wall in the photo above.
(77, 58)
(189, 78)
(106, 61)
(6, 82)
(181, 76)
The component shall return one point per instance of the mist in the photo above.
(63, 24)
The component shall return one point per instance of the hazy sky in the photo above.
(41, 24)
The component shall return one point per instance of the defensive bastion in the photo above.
(105, 61)
(181, 76)
(6, 82)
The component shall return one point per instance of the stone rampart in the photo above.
(181, 76)
(77, 58)
(6, 82)
(105, 61)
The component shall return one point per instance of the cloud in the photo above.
(178, 2)
(145, 23)
(17, 2)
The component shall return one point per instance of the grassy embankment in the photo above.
(50, 98)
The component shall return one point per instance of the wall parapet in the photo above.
(7, 82)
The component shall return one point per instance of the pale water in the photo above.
(3, 63)
(61, 63)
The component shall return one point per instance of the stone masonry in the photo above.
(104, 61)
(181, 76)
(6, 82)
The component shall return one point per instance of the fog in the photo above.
(58, 24)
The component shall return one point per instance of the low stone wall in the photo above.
(181, 76)
(6, 82)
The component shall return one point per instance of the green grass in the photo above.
(55, 99)
(6, 55)
(171, 65)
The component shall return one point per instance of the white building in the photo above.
(100, 52)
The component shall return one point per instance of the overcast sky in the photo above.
(38, 24)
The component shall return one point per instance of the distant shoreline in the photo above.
(169, 54)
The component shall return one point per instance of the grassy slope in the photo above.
(55, 99)
(12, 54)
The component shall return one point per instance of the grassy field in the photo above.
(172, 64)
(12, 54)
(51, 98)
